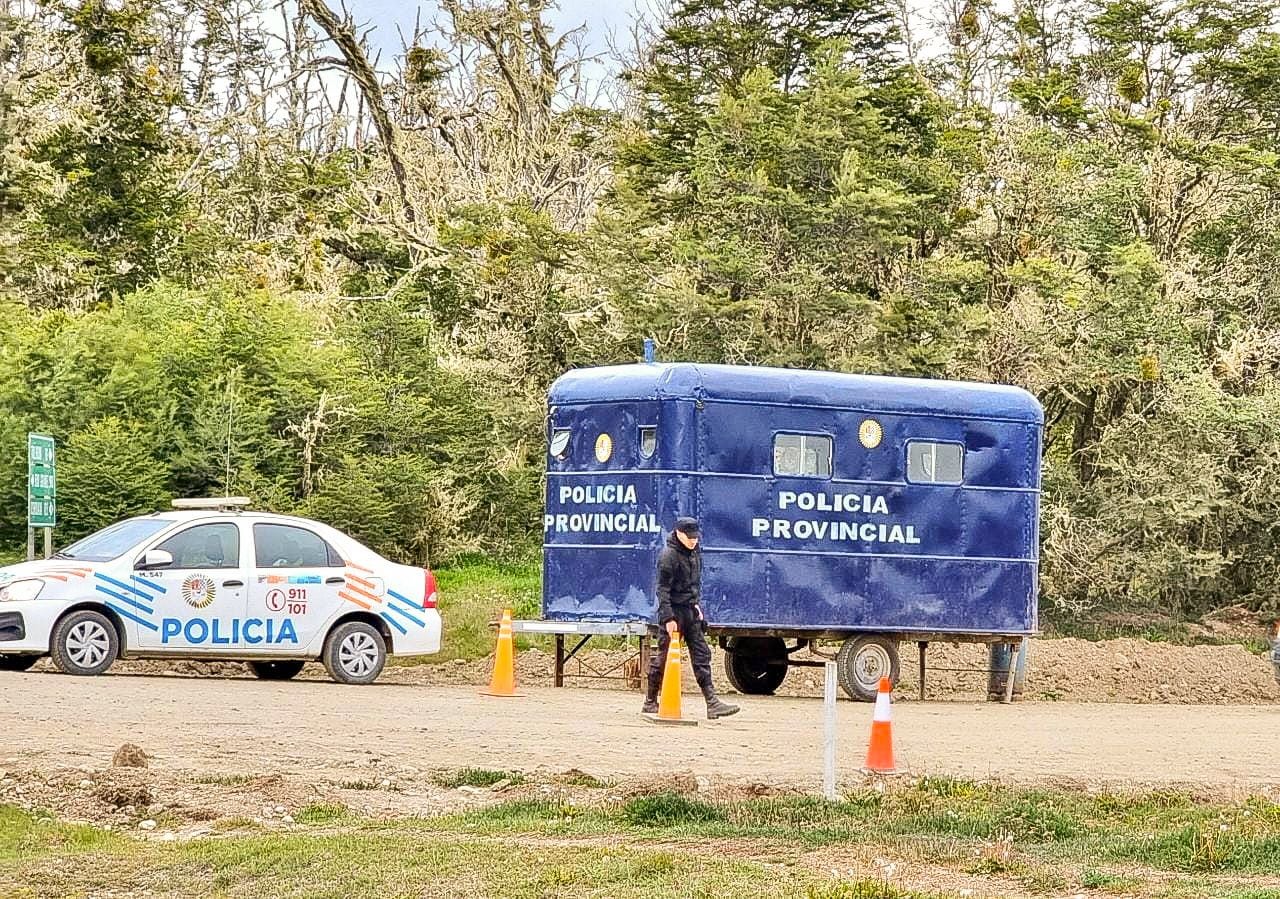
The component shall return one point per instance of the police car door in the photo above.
(198, 598)
(295, 583)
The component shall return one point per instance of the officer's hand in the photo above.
(671, 627)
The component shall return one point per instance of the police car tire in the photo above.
(17, 663)
(284, 670)
(846, 660)
(82, 623)
(748, 667)
(361, 632)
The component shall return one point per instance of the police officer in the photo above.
(679, 589)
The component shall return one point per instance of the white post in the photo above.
(829, 754)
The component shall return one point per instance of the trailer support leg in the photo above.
(923, 646)
(559, 681)
(644, 663)
(1013, 670)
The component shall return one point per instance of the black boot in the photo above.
(650, 706)
(717, 707)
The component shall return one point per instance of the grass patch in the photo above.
(321, 813)
(669, 810)
(1093, 879)
(583, 779)
(225, 780)
(864, 889)
(23, 835)
(475, 777)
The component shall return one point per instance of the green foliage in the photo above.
(107, 473)
(668, 810)
(212, 284)
(475, 777)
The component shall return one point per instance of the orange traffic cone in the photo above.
(669, 698)
(880, 752)
(503, 682)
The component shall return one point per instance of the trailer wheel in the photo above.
(862, 661)
(756, 666)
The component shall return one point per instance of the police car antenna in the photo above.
(214, 503)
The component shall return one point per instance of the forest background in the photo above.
(242, 252)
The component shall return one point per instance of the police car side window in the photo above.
(934, 463)
(802, 455)
(284, 546)
(204, 546)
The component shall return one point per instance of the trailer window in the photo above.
(648, 441)
(802, 455)
(560, 443)
(935, 463)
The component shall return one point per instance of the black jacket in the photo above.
(679, 578)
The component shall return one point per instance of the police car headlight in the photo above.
(19, 591)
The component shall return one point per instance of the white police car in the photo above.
(212, 581)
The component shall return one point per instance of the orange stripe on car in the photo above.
(368, 585)
(360, 591)
(357, 567)
(349, 598)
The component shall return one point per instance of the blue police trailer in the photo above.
(835, 508)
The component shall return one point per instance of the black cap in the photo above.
(688, 526)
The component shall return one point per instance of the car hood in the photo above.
(56, 569)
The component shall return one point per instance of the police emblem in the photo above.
(198, 591)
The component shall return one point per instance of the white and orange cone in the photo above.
(880, 752)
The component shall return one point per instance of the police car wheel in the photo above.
(84, 643)
(862, 661)
(17, 663)
(756, 666)
(355, 653)
(276, 670)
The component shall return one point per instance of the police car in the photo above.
(211, 580)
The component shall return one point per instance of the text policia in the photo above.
(859, 526)
(853, 530)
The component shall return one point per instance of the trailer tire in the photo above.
(756, 666)
(862, 661)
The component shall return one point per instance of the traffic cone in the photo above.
(880, 752)
(669, 697)
(503, 682)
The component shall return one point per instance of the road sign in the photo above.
(42, 482)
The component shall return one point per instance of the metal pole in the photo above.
(48, 542)
(1008, 687)
(829, 747)
(923, 646)
(31, 544)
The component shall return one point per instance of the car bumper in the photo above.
(25, 626)
(415, 640)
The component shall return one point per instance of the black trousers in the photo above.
(691, 636)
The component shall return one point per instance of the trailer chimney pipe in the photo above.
(649, 353)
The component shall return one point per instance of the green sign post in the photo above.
(42, 492)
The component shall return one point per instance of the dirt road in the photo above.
(321, 729)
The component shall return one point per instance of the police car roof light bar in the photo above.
(218, 503)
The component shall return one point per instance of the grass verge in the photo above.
(934, 837)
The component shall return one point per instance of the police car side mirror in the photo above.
(154, 558)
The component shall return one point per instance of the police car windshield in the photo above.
(114, 541)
